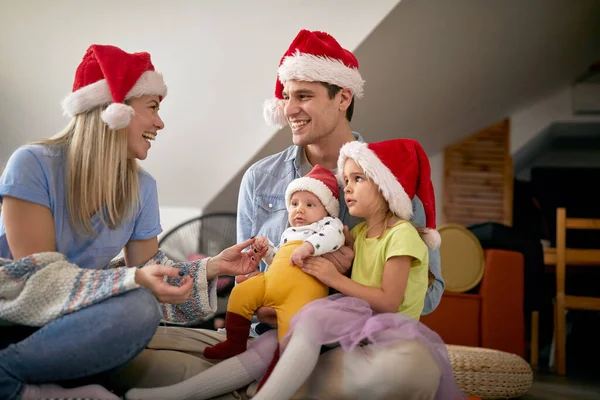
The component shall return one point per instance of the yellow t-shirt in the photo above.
(371, 254)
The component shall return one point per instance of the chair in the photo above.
(579, 257)
(206, 235)
(479, 309)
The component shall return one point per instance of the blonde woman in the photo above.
(80, 196)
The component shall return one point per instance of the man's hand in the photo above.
(267, 315)
(242, 278)
(342, 258)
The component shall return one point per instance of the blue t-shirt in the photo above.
(37, 174)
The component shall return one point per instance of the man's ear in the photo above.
(345, 98)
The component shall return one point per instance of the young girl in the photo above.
(382, 301)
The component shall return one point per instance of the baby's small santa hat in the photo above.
(108, 75)
(313, 56)
(400, 168)
(322, 183)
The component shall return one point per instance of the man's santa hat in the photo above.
(322, 183)
(313, 57)
(401, 169)
(108, 75)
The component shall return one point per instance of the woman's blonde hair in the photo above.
(99, 175)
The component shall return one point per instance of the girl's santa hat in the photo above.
(108, 75)
(313, 56)
(400, 168)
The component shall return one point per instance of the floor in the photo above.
(583, 363)
(548, 386)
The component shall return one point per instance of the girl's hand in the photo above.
(322, 269)
(301, 253)
(152, 278)
(236, 261)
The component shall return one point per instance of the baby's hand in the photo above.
(260, 243)
(300, 253)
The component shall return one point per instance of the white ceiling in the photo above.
(439, 71)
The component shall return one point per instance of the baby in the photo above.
(313, 208)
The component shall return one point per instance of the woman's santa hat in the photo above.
(401, 169)
(322, 183)
(313, 57)
(108, 75)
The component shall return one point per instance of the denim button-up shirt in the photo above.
(262, 211)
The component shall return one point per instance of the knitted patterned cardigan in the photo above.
(40, 288)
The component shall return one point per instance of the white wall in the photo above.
(170, 217)
(436, 162)
(219, 60)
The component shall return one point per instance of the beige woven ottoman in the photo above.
(490, 374)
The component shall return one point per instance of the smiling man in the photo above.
(315, 91)
(317, 84)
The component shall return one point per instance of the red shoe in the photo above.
(238, 331)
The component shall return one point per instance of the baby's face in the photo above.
(305, 208)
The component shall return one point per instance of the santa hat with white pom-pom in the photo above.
(400, 167)
(109, 76)
(313, 56)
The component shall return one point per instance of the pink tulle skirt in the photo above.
(350, 322)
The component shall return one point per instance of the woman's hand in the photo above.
(236, 261)
(152, 278)
(260, 243)
(322, 269)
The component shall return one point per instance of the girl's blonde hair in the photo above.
(99, 175)
(384, 209)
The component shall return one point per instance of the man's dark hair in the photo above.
(332, 90)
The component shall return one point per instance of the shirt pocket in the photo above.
(270, 217)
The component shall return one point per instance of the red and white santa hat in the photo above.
(313, 56)
(400, 168)
(322, 183)
(108, 75)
